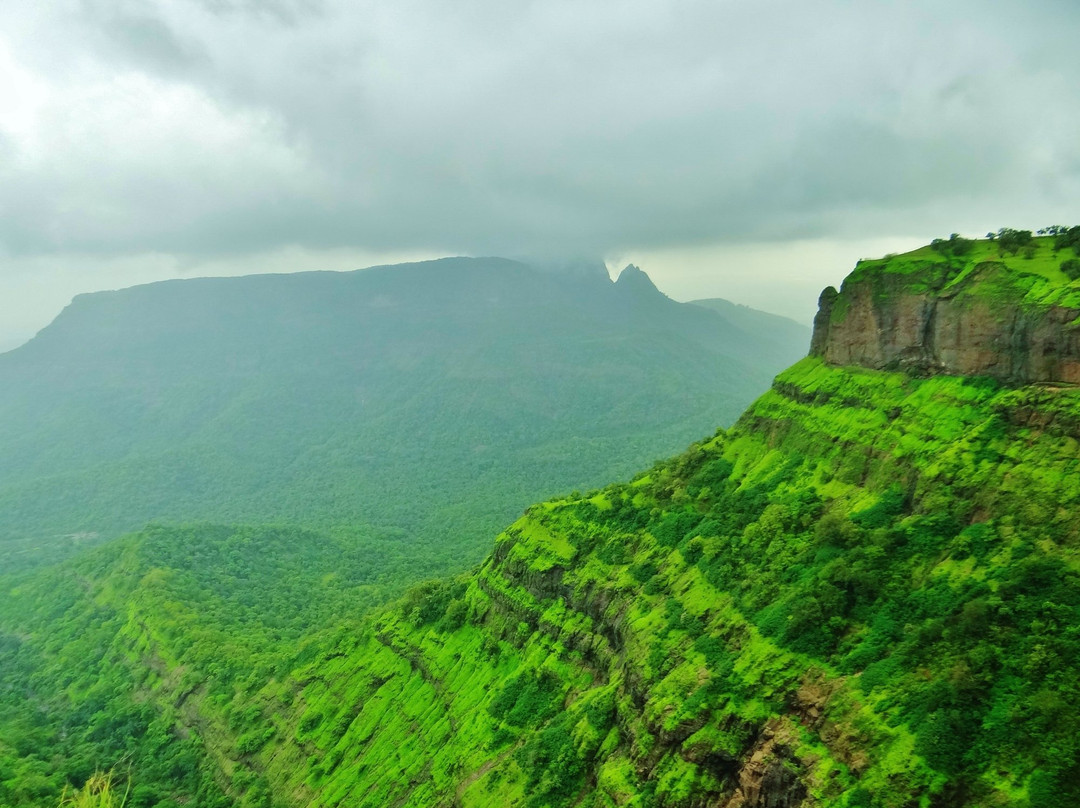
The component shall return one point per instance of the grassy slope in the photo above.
(870, 583)
(1035, 281)
(911, 644)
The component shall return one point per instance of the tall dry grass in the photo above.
(98, 792)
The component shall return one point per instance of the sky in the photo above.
(748, 149)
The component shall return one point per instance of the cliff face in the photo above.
(858, 597)
(986, 319)
(864, 594)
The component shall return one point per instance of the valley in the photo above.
(426, 404)
(865, 592)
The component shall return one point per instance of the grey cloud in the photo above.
(284, 12)
(584, 127)
(142, 37)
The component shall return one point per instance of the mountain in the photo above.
(866, 592)
(428, 401)
(772, 333)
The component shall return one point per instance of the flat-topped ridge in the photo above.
(1013, 316)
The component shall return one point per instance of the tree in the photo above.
(1071, 267)
(954, 245)
(1067, 237)
(1011, 241)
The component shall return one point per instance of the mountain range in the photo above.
(864, 593)
(425, 403)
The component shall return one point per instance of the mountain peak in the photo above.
(633, 277)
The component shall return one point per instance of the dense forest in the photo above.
(430, 401)
(865, 593)
(350, 458)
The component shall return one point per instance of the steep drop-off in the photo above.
(986, 313)
(865, 593)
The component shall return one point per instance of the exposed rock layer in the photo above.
(884, 321)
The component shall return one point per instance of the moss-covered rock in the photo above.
(865, 593)
(985, 313)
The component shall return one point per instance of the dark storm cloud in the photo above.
(218, 127)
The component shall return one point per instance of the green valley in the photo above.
(864, 593)
(431, 401)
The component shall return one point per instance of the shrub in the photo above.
(1011, 241)
(527, 700)
(97, 792)
(1067, 237)
(953, 245)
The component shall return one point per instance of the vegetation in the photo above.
(1011, 241)
(875, 572)
(1064, 237)
(1029, 278)
(431, 402)
(955, 245)
(864, 593)
(98, 792)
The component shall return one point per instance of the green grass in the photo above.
(869, 585)
(1034, 281)
(99, 791)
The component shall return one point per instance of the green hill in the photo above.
(428, 401)
(864, 593)
(772, 333)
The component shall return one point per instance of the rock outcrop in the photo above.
(938, 321)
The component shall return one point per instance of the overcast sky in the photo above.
(749, 149)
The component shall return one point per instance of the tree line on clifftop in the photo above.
(1013, 241)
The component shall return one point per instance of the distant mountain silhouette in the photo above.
(435, 400)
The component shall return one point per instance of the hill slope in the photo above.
(771, 332)
(865, 593)
(435, 400)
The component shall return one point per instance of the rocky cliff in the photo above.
(1012, 318)
(865, 594)
(858, 597)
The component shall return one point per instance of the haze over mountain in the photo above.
(772, 334)
(864, 594)
(429, 402)
(245, 506)
(168, 138)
